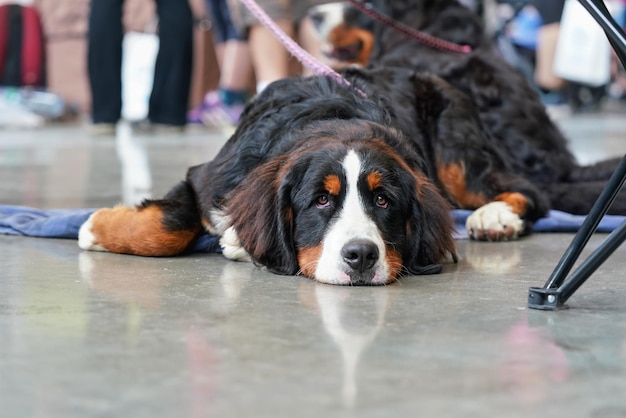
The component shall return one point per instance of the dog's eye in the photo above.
(322, 201)
(381, 201)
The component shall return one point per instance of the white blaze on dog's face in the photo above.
(354, 230)
(353, 244)
(326, 17)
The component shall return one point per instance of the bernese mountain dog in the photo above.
(353, 184)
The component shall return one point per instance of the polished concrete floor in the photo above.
(101, 335)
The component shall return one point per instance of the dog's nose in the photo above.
(360, 254)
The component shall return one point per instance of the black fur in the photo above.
(291, 118)
(508, 106)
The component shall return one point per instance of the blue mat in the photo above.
(556, 221)
(65, 223)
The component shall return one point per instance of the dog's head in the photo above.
(344, 208)
(345, 33)
(350, 37)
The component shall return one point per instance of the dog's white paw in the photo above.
(87, 240)
(231, 247)
(495, 221)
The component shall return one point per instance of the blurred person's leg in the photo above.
(236, 65)
(172, 75)
(547, 38)
(224, 106)
(104, 60)
(219, 29)
(271, 61)
(269, 57)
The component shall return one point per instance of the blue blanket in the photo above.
(65, 223)
(556, 221)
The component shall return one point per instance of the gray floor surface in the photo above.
(87, 334)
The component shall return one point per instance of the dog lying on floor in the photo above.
(322, 181)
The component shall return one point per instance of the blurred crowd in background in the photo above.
(170, 63)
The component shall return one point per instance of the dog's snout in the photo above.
(360, 255)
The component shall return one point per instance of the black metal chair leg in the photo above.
(557, 290)
(595, 260)
(600, 13)
(589, 226)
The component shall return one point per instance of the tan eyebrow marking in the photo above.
(332, 184)
(374, 180)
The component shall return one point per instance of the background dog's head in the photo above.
(346, 34)
(344, 208)
(350, 37)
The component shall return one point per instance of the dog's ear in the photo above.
(429, 230)
(261, 213)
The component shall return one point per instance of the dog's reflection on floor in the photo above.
(351, 316)
(353, 330)
(143, 281)
(493, 259)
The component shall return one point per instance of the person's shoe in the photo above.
(102, 129)
(214, 113)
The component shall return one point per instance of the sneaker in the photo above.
(213, 113)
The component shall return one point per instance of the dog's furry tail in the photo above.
(600, 171)
(578, 194)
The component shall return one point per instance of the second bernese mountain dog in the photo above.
(509, 108)
(323, 181)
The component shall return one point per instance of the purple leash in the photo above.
(308, 60)
(422, 37)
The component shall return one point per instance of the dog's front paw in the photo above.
(88, 237)
(495, 221)
(231, 247)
